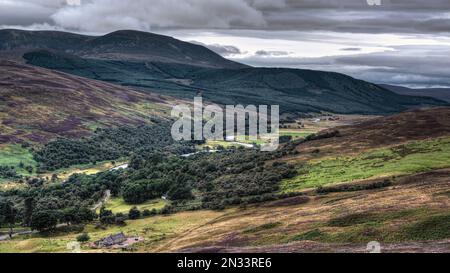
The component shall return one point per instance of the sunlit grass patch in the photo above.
(296, 133)
(410, 158)
(262, 227)
(13, 155)
(118, 205)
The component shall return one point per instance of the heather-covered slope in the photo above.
(38, 104)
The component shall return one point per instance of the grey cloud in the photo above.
(268, 4)
(351, 49)
(27, 12)
(412, 16)
(271, 53)
(420, 66)
(415, 66)
(224, 50)
(109, 15)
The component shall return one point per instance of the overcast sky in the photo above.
(404, 42)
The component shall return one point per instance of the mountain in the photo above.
(437, 93)
(39, 104)
(295, 90)
(165, 65)
(118, 45)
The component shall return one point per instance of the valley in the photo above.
(86, 153)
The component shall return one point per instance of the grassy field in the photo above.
(63, 174)
(284, 132)
(156, 231)
(296, 133)
(13, 155)
(117, 205)
(410, 158)
(88, 169)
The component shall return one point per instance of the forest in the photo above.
(109, 144)
(206, 180)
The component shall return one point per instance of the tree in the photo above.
(77, 215)
(28, 210)
(146, 213)
(29, 169)
(134, 213)
(8, 215)
(180, 192)
(54, 178)
(44, 220)
(106, 216)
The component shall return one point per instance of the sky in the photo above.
(401, 42)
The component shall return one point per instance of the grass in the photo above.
(374, 218)
(419, 224)
(262, 227)
(156, 231)
(295, 134)
(64, 174)
(118, 205)
(88, 169)
(312, 235)
(13, 155)
(410, 158)
(431, 228)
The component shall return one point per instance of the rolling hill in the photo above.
(437, 93)
(168, 66)
(405, 211)
(118, 45)
(38, 104)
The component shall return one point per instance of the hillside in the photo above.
(295, 90)
(39, 104)
(384, 179)
(437, 93)
(169, 66)
(119, 45)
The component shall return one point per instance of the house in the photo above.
(112, 240)
(118, 240)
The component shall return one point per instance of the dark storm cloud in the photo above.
(393, 16)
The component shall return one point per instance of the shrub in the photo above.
(84, 237)
(134, 213)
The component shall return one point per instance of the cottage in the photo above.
(111, 240)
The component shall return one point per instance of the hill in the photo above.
(405, 211)
(118, 45)
(295, 90)
(437, 93)
(39, 104)
(169, 66)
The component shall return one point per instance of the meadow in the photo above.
(118, 205)
(409, 158)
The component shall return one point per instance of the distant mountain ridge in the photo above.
(437, 93)
(118, 45)
(165, 65)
